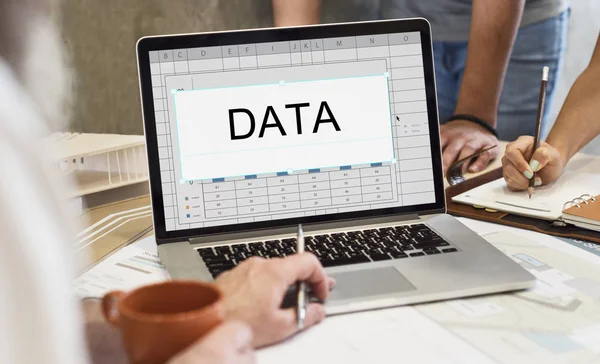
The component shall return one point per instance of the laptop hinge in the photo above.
(343, 224)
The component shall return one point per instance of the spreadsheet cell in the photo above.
(156, 81)
(414, 141)
(313, 177)
(250, 183)
(418, 175)
(165, 176)
(166, 68)
(161, 129)
(284, 206)
(407, 72)
(346, 191)
(221, 213)
(296, 58)
(407, 61)
(219, 187)
(378, 196)
(155, 69)
(215, 64)
(344, 174)
(340, 55)
(259, 200)
(408, 84)
(213, 205)
(274, 60)
(418, 198)
(373, 52)
(213, 196)
(415, 187)
(412, 164)
(253, 209)
(314, 186)
(410, 107)
(405, 50)
(248, 62)
(182, 67)
(306, 58)
(410, 95)
(346, 199)
(253, 192)
(317, 194)
(159, 105)
(224, 201)
(371, 172)
(344, 183)
(231, 63)
(275, 190)
(168, 200)
(377, 188)
(282, 180)
(315, 203)
(376, 180)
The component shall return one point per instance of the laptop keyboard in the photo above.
(353, 247)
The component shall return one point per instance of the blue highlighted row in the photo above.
(281, 174)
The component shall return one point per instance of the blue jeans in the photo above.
(537, 45)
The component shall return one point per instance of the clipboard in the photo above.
(503, 218)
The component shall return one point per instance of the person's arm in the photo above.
(296, 12)
(494, 26)
(577, 124)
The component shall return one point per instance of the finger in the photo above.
(444, 139)
(451, 152)
(305, 267)
(542, 156)
(468, 150)
(482, 161)
(514, 179)
(287, 319)
(331, 283)
(514, 154)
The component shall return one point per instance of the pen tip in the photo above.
(530, 192)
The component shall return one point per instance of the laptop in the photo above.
(335, 127)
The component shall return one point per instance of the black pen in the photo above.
(300, 286)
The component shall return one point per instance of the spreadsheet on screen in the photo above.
(355, 153)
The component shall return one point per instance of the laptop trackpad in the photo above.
(369, 282)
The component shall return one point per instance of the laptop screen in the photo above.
(277, 130)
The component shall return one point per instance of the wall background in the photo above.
(101, 37)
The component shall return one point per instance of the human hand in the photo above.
(228, 343)
(546, 161)
(254, 290)
(461, 139)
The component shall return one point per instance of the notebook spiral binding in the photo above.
(583, 199)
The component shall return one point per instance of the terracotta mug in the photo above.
(158, 321)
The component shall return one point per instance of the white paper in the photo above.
(133, 266)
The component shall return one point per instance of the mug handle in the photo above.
(110, 307)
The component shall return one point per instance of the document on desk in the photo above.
(546, 203)
(133, 266)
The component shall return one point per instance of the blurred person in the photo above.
(487, 57)
(40, 319)
(577, 124)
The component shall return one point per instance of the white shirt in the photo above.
(40, 319)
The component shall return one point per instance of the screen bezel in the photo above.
(156, 43)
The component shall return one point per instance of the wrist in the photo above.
(475, 120)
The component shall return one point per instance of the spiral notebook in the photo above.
(547, 202)
(583, 211)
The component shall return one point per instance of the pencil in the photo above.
(538, 124)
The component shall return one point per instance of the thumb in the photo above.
(542, 156)
(315, 313)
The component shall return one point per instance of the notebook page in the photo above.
(546, 203)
